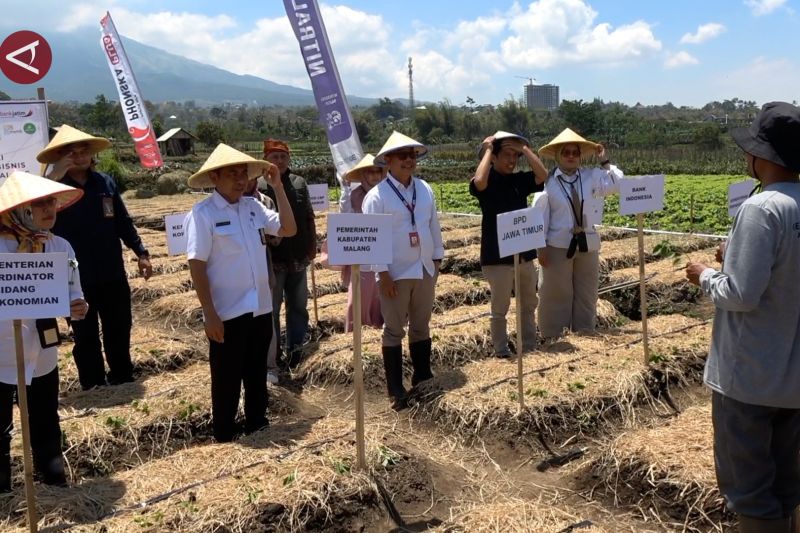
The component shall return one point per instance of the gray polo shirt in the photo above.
(755, 347)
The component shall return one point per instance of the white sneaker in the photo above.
(272, 378)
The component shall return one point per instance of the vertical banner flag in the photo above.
(306, 20)
(130, 99)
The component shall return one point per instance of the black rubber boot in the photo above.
(393, 366)
(421, 360)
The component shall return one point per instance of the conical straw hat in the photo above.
(357, 172)
(568, 136)
(69, 135)
(398, 141)
(225, 156)
(499, 135)
(20, 188)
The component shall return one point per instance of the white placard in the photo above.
(319, 196)
(737, 194)
(641, 194)
(34, 285)
(520, 231)
(175, 226)
(23, 134)
(358, 239)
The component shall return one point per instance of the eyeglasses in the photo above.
(571, 153)
(402, 156)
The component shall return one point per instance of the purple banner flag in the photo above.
(334, 113)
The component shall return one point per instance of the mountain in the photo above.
(80, 72)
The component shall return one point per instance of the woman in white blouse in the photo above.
(28, 206)
(573, 204)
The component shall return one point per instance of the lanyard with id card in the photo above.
(108, 207)
(413, 236)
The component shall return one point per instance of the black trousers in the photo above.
(240, 360)
(111, 303)
(44, 423)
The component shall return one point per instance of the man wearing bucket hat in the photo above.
(292, 256)
(407, 284)
(573, 204)
(28, 206)
(226, 239)
(94, 226)
(753, 366)
(499, 189)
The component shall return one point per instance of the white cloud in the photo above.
(558, 32)
(747, 82)
(680, 59)
(763, 7)
(705, 32)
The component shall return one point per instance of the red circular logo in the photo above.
(25, 57)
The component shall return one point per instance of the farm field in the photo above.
(693, 203)
(464, 458)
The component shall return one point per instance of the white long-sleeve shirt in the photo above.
(38, 361)
(594, 184)
(408, 261)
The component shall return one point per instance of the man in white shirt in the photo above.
(226, 240)
(407, 284)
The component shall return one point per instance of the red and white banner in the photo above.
(130, 99)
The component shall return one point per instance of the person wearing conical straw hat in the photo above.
(28, 206)
(226, 240)
(407, 284)
(753, 366)
(96, 226)
(569, 275)
(368, 175)
(499, 189)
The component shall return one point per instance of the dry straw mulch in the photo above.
(624, 253)
(160, 285)
(517, 515)
(669, 470)
(294, 476)
(574, 385)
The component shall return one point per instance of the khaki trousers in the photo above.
(412, 306)
(501, 283)
(568, 292)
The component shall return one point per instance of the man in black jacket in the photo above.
(292, 255)
(94, 226)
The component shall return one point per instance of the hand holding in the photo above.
(145, 268)
(78, 309)
(693, 271)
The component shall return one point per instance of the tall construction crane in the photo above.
(529, 78)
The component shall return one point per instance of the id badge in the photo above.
(413, 239)
(262, 232)
(48, 332)
(108, 207)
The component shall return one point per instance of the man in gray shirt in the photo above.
(753, 367)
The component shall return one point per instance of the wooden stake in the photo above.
(22, 395)
(691, 213)
(358, 372)
(518, 304)
(314, 292)
(642, 289)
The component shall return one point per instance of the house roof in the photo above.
(167, 135)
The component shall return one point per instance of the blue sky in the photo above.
(681, 51)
